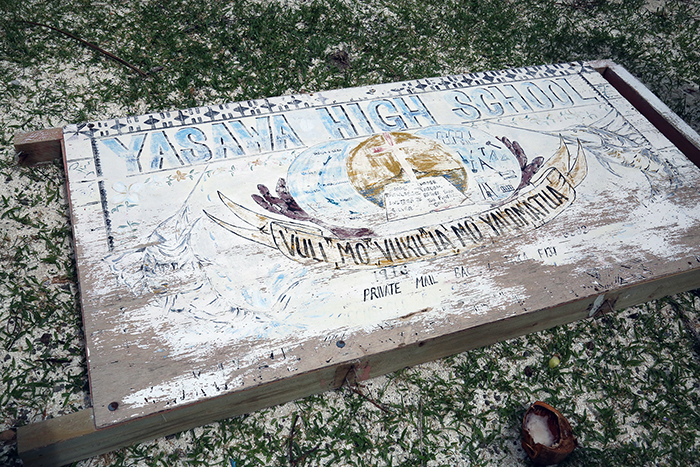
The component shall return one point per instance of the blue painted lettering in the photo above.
(131, 153)
(225, 145)
(162, 153)
(191, 140)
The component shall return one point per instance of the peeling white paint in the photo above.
(199, 245)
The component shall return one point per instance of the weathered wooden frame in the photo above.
(74, 437)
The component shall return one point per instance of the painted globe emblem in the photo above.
(359, 188)
(389, 158)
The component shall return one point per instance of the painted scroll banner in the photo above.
(550, 194)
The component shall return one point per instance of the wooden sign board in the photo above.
(239, 255)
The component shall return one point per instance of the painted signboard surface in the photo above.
(229, 246)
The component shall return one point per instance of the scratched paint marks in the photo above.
(652, 181)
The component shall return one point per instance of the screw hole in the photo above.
(340, 344)
(113, 406)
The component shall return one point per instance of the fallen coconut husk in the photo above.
(547, 435)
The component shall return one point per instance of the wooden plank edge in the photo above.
(39, 146)
(73, 437)
(659, 114)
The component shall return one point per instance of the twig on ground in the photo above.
(421, 446)
(355, 388)
(295, 462)
(291, 438)
(89, 44)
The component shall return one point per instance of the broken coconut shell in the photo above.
(547, 435)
